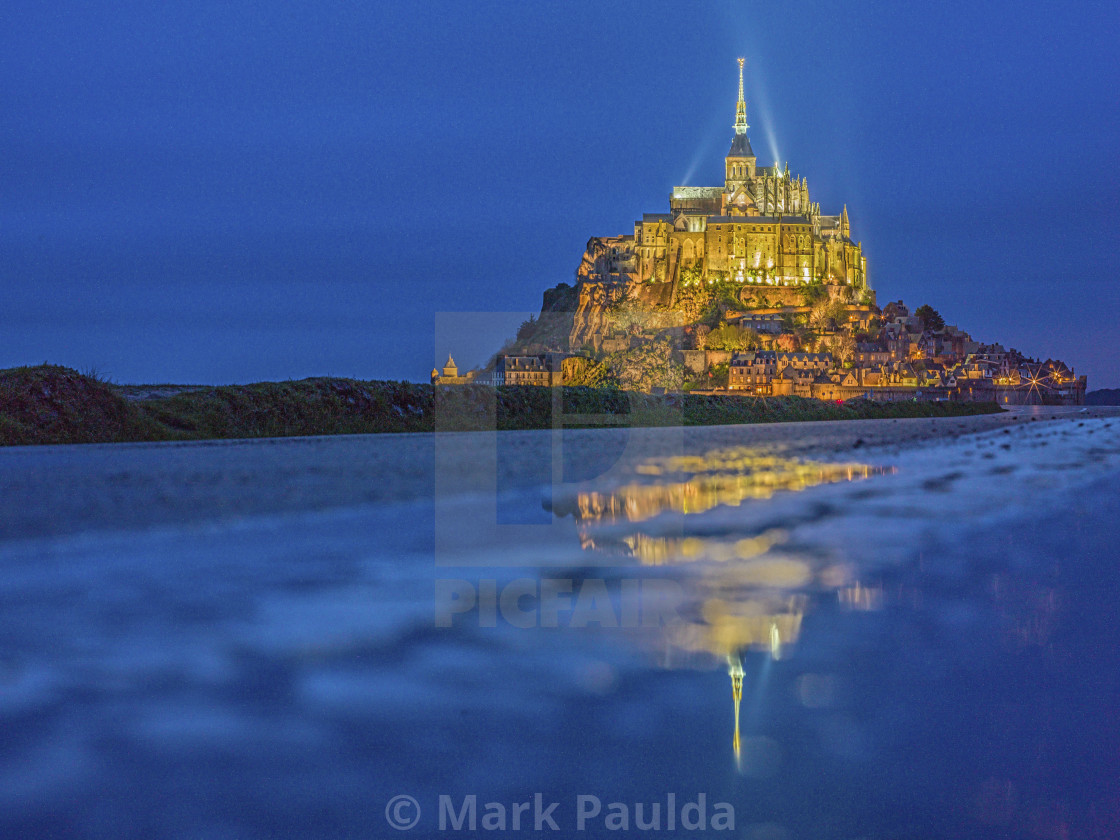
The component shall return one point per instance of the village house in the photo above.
(542, 370)
(768, 372)
(871, 354)
(896, 339)
(767, 323)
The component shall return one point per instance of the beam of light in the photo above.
(746, 38)
(754, 713)
(760, 684)
(759, 113)
(694, 164)
(721, 129)
(716, 132)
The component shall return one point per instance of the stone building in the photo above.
(770, 373)
(450, 374)
(543, 370)
(759, 228)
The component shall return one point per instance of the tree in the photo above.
(691, 275)
(701, 336)
(842, 347)
(731, 337)
(692, 301)
(527, 328)
(786, 342)
(629, 317)
(648, 366)
(931, 319)
(825, 314)
(761, 301)
(577, 370)
(813, 293)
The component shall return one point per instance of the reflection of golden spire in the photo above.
(735, 669)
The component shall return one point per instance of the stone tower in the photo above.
(740, 159)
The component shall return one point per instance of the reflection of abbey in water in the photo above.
(751, 591)
(693, 484)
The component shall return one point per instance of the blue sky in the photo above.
(229, 192)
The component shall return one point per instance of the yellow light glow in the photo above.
(775, 641)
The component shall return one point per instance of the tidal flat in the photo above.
(870, 628)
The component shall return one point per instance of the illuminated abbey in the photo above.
(748, 288)
(759, 227)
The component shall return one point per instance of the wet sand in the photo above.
(236, 639)
(54, 490)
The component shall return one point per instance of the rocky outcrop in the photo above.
(606, 259)
(590, 317)
(607, 277)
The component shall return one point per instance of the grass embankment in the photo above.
(51, 404)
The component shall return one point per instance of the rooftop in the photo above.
(697, 192)
(760, 220)
(741, 147)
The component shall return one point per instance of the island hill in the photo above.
(748, 289)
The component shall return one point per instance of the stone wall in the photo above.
(695, 361)
(717, 357)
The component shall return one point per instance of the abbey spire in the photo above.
(740, 161)
(741, 106)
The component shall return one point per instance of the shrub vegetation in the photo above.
(51, 404)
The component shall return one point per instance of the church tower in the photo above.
(740, 160)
